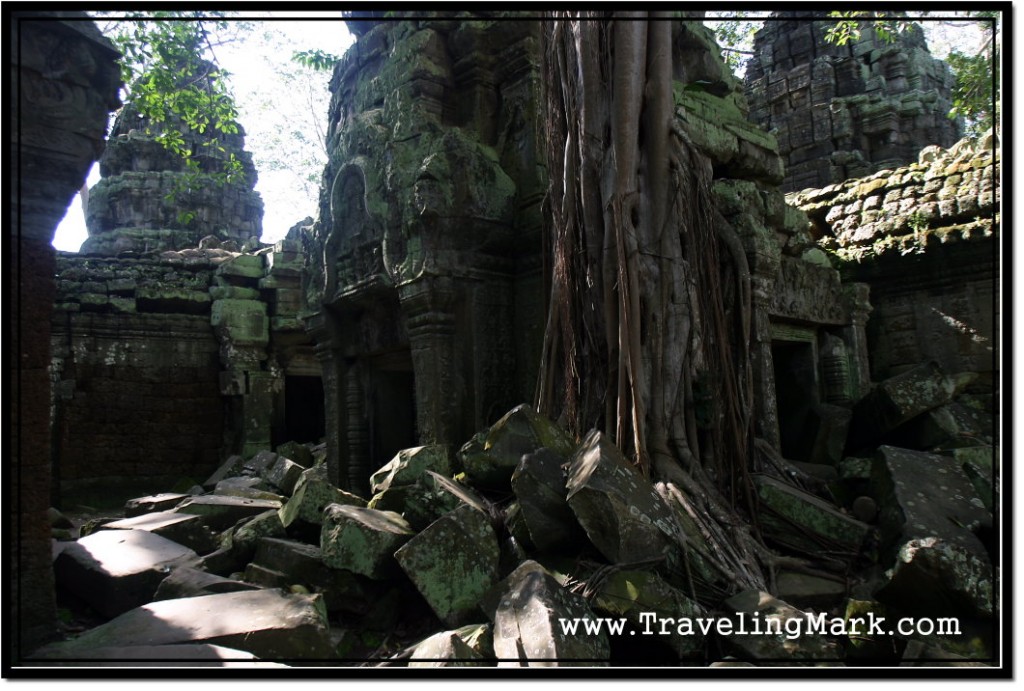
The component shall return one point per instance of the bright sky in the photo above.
(269, 104)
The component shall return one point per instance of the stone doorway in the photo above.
(391, 410)
(303, 409)
(796, 392)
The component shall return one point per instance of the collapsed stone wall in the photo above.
(926, 237)
(66, 81)
(842, 112)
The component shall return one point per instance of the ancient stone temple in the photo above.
(841, 112)
(149, 200)
(426, 277)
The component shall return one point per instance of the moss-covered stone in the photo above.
(312, 493)
(452, 563)
(362, 540)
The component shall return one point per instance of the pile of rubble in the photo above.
(524, 548)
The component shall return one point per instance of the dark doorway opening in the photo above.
(796, 384)
(303, 409)
(393, 405)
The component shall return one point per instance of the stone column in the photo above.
(323, 327)
(242, 327)
(857, 296)
(766, 411)
(66, 81)
(428, 305)
(357, 433)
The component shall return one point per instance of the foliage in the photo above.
(177, 92)
(850, 24)
(315, 59)
(734, 33)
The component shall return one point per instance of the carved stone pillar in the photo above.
(428, 305)
(766, 413)
(857, 296)
(328, 350)
(243, 329)
(357, 433)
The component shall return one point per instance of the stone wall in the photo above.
(66, 81)
(166, 362)
(842, 112)
(926, 237)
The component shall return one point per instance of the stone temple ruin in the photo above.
(328, 430)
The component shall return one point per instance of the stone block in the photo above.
(491, 457)
(313, 492)
(527, 624)
(631, 594)
(246, 537)
(408, 466)
(618, 508)
(928, 510)
(763, 629)
(539, 483)
(241, 322)
(155, 502)
(184, 529)
(284, 474)
(228, 468)
(821, 525)
(267, 623)
(117, 570)
(297, 453)
(446, 649)
(221, 512)
(362, 540)
(452, 563)
(896, 401)
(185, 581)
(812, 592)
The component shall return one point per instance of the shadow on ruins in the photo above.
(317, 451)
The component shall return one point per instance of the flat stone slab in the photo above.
(185, 581)
(185, 655)
(408, 466)
(453, 562)
(116, 570)
(221, 512)
(185, 529)
(154, 502)
(759, 631)
(527, 624)
(266, 623)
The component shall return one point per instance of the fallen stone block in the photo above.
(804, 522)
(445, 649)
(246, 537)
(643, 598)
(247, 488)
(423, 502)
(284, 474)
(232, 466)
(297, 453)
(928, 512)
(260, 461)
(266, 623)
(539, 483)
(809, 591)
(409, 465)
(116, 570)
(181, 655)
(828, 426)
(947, 427)
(221, 512)
(977, 463)
(155, 502)
(490, 458)
(896, 401)
(762, 627)
(185, 529)
(362, 540)
(452, 563)
(528, 624)
(313, 492)
(619, 509)
(185, 581)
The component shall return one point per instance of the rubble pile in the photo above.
(566, 556)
